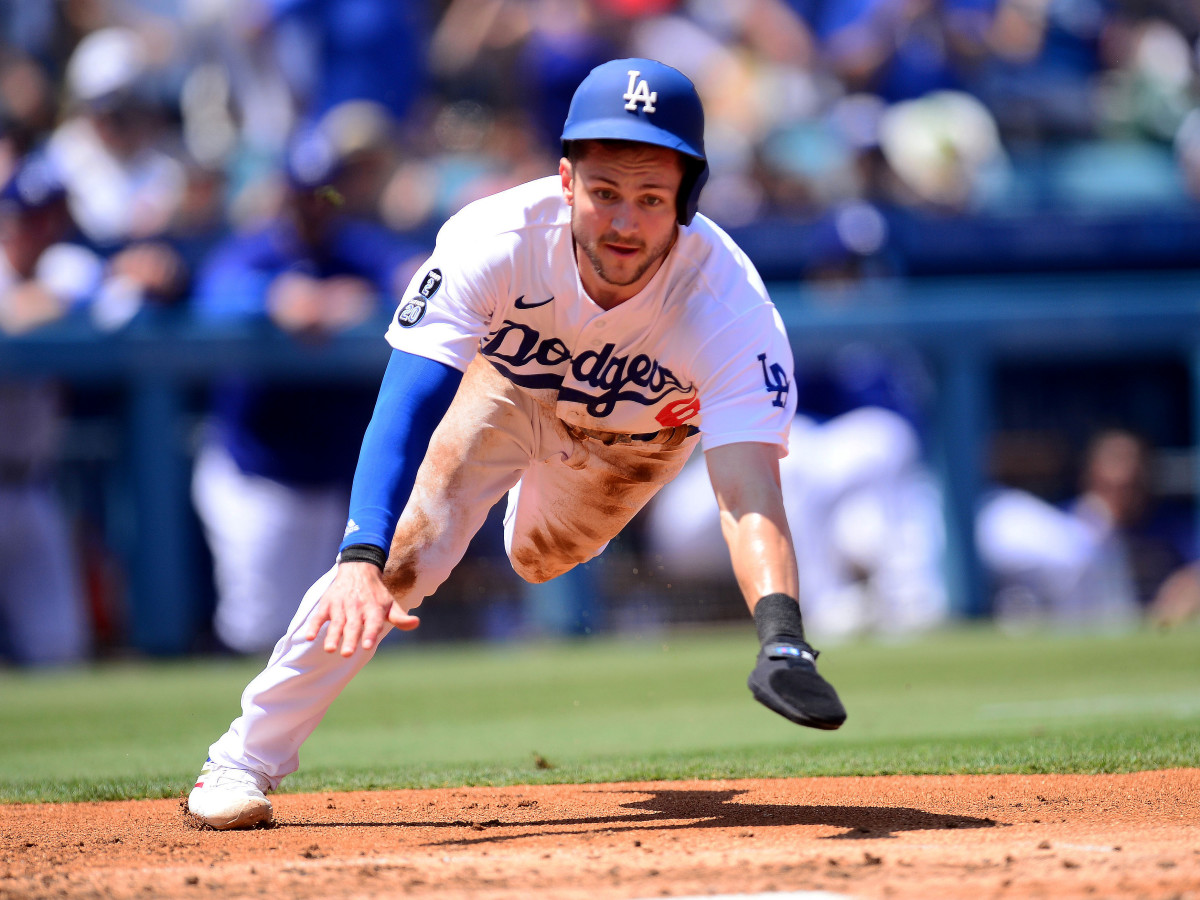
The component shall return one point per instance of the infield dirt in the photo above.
(1061, 836)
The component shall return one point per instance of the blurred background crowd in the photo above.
(289, 162)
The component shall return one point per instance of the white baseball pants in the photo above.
(567, 498)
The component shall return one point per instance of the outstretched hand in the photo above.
(359, 610)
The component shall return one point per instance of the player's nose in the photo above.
(623, 219)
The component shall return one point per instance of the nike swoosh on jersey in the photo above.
(520, 303)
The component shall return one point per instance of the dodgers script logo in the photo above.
(612, 379)
(639, 93)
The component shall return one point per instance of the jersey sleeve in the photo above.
(747, 395)
(449, 304)
(413, 398)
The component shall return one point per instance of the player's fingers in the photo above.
(337, 621)
(402, 620)
(316, 619)
(373, 626)
(351, 633)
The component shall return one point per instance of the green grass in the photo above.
(669, 707)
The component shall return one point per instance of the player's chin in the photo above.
(623, 270)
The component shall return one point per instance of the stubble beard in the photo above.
(591, 249)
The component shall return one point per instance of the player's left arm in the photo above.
(745, 479)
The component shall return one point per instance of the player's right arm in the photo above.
(434, 335)
(413, 398)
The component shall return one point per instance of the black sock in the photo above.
(777, 618)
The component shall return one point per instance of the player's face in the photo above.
(622, 202)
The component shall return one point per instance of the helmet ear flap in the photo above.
(695, 175)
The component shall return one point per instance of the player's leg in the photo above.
(569, 506)
(282, 704)
(475, 455)
(487, 439)
(281, 707)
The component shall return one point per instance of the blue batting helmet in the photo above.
(645, 101)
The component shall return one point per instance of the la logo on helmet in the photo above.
(639, 94)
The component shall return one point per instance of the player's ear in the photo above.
(567, 174)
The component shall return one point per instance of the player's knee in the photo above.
(534, 566)
(535, 571)
(538, 557)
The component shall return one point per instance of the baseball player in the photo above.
(570, 342)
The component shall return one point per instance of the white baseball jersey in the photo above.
(700, 345)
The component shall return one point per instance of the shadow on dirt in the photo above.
(671, 809)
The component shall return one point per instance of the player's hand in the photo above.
(294, 304)
(155, 268)
(359, 610)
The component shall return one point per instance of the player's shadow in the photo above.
(689, 809)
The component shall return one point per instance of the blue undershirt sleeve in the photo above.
(414, 395)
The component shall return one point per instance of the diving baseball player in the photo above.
(569, 343)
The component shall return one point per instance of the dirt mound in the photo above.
(1060, 836)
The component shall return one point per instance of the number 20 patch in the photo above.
(411, 312)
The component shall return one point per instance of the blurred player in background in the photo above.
(48, 272)
(272, 478)
(865, 517)
(1103, 560)
(43, 277)
(570, 342)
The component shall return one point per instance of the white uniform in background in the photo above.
(866, 524)
(1054, 566)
